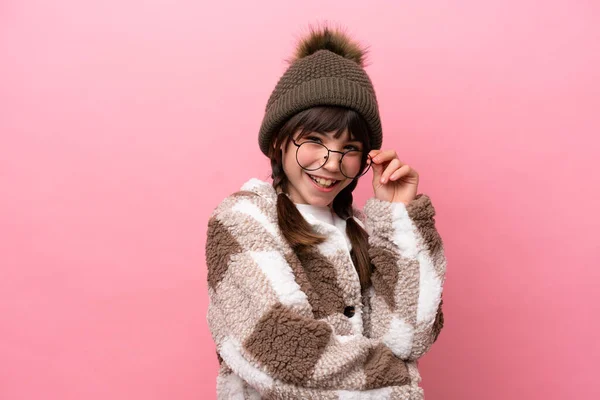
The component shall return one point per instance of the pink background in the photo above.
(123, 123)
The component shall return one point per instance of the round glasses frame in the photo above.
(329, 151)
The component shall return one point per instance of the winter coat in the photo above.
(296, 325)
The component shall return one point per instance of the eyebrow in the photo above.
(326, 135)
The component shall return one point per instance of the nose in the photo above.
(333, 162)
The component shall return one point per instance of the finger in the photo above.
(392, 167)
(373, 153)
(377, 171)
(399, 173)
(386, 155)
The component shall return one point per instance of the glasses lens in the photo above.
(351, 163)
(311, 156)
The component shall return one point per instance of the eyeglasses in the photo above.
(311, 156)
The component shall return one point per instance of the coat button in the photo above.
(349, 311)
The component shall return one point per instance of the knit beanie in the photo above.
(327, 70)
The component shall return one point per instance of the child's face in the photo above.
(311, 154)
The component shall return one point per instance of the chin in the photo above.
(316, 201)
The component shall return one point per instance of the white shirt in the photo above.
(326, 215)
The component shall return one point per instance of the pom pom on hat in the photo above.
(334, 40)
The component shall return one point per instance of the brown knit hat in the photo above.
(326, 70)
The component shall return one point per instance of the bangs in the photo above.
(332, 119)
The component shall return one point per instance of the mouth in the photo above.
(324, 184)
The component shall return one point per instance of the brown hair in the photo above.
(294, 227)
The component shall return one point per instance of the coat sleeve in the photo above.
(404, 303)
(263, 325)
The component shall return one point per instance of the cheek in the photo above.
(290, 165)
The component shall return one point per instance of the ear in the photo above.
(281, 146)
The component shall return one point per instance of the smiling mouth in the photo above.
(322, 182)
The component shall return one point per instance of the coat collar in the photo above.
(261, 188)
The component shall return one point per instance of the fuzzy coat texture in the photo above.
(296, 325)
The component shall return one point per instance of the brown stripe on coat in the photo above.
(422, 213)
(438, 324)
(224, 369)
(385, 274)
(406, 286)
(383, 368)
(366, 312)
(395, 277)
(299, 275)
(408, 289)
(324, 294)
(288, 345)
(426, 334)
(220, 246)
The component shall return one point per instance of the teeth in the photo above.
(323, 182)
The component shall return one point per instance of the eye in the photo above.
(313, 139)
(351, 147)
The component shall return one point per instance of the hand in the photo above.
(393, 180)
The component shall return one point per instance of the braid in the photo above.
(359, 239)
(342, 204)
(277, 174)
(296, 230)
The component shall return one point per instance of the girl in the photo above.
(311, 298)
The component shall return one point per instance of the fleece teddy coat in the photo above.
(296, 325)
